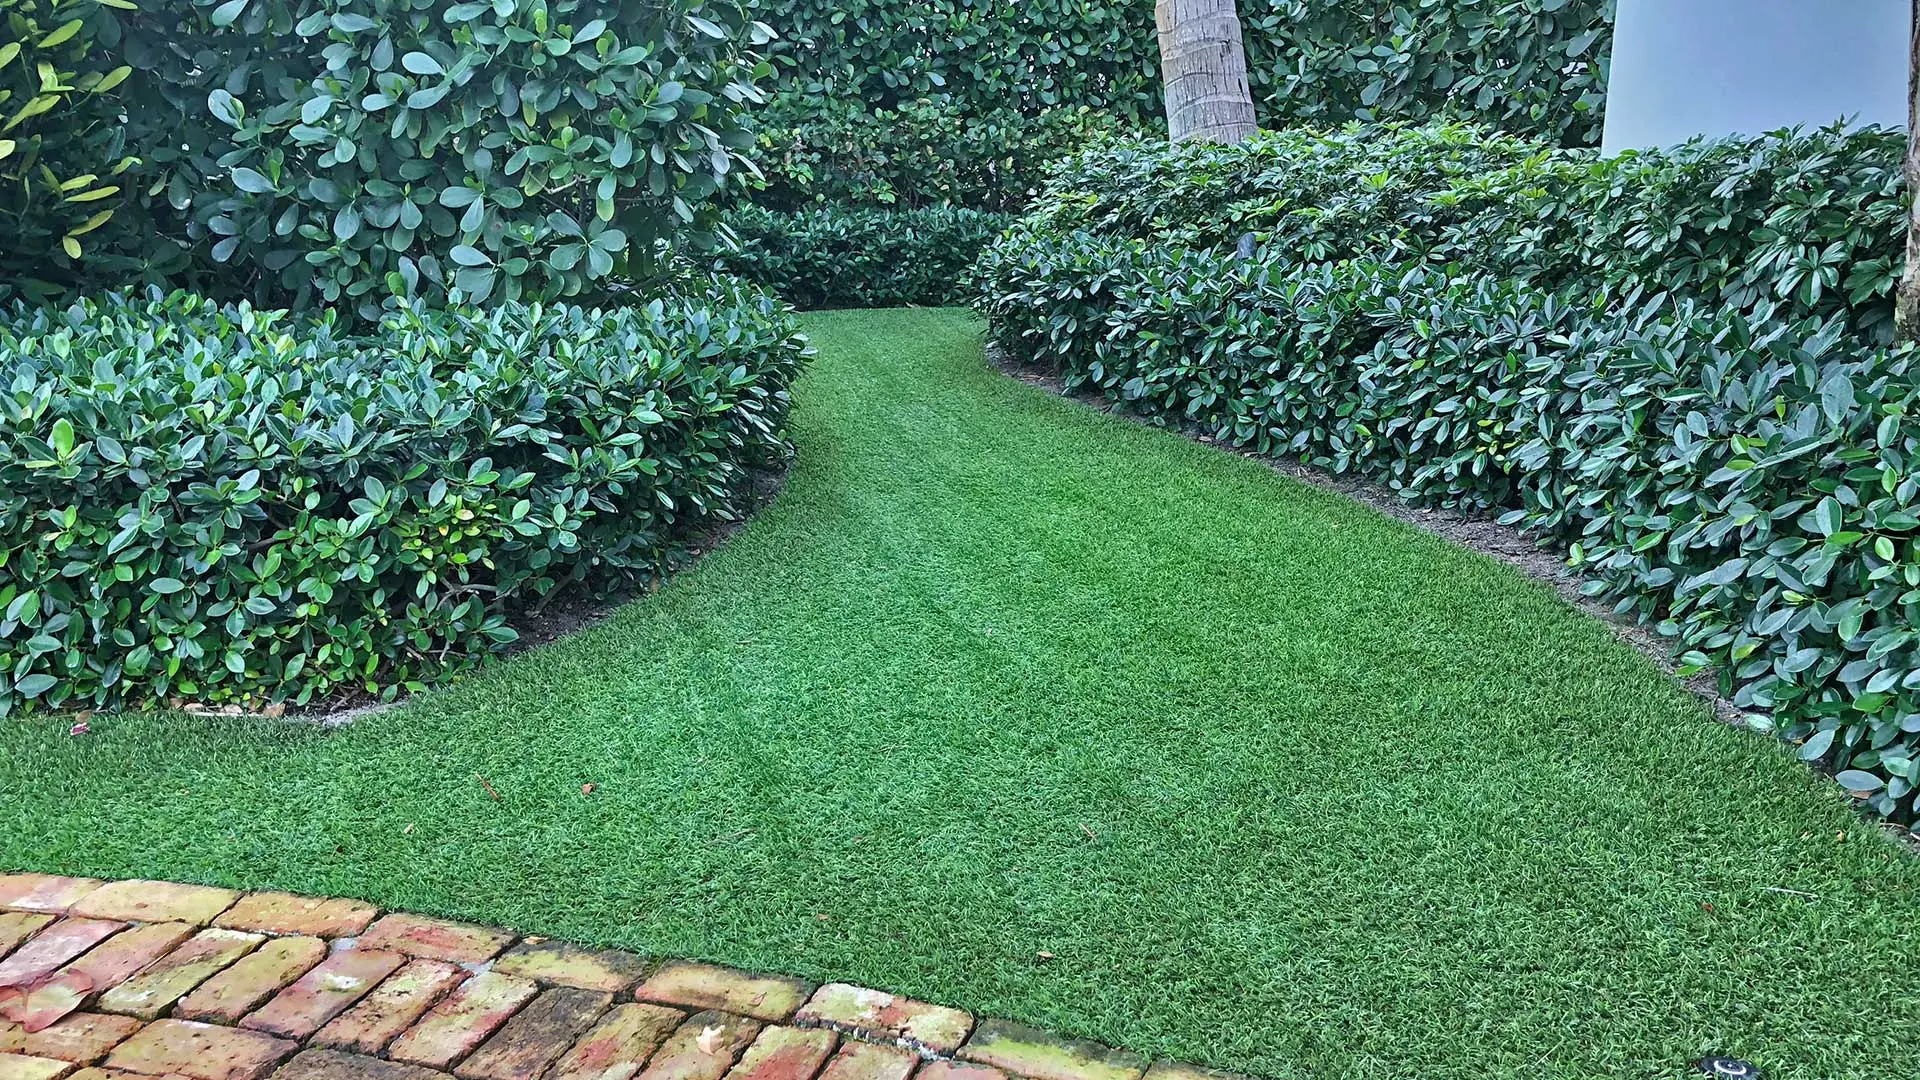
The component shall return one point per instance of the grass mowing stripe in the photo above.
(1281, 785)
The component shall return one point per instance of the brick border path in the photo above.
(138, 980)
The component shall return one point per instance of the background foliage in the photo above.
(860, 257)
(225, 504)
(1666, 364)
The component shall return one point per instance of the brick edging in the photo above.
(152, 980)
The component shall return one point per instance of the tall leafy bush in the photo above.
(222, 503)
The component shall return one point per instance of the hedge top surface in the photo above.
(1280, 785)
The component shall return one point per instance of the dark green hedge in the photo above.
(226, 504)
(1723, 450)
(836, 256)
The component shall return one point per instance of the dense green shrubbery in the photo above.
(1811, 220)
(840, 256)
(1727, 451)
(221, 503)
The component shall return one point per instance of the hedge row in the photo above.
(1809, 220)
(1744, 475)
(224, 504)
(838, 257)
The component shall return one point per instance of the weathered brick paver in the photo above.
(704, 986)
(308, 916)
(392, 1008)
(435, 939)
(154, 901)
(252, 979)
(173, 976)
(148, 980)
(935, 1027)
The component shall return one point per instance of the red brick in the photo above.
(174, 975)
(18, 926)
(52, 947)
(201, 1051)
(785, 1053)
(705, 986)
(81, 1038)
(307, 916)
(887, 1016)
(97, 1073)
(392, 1007)
(703, 1048)
(46, 1001)
(324, 993)
(1043, 1056)
(435, 939)
(116, 959)
(621, 1043)
(46, 893)
(871, 1061)
(536, 1036)
(155, 901)
(23, 1067)
(587, 969)
(254, 978)
(959, 1070)
(334, 1065)
(463, 1020)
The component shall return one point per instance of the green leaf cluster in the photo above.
(229, 504)
(1729, 455)
(860, 257)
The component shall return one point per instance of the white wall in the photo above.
(1720, 67)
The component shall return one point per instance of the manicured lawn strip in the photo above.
(1282, 786)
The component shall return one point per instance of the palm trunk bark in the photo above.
(1203, 64)
(1906, 310)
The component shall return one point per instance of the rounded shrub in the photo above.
(224, 504)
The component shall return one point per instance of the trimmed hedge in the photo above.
(1746, 475)
(226, 504)
(1810, 220)
(840, 256)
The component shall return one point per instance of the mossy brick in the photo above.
(870, 1061)
(619, 1044)
(172, 977)
(707, 986)
(46, 951)
(252, 979)
(1176, 1070)
(49, 894)
(26, 1067)
(82, 1038)
(128, 952)
(889, 1016)
(200, 1051)
(338, 1065)
(324, 992)
(785, 1053)
(960, 1070)
(435, 939)
(18, 926)
(463, 1020)
(304, 916)
(703, 1047)
(392, 1008)
(155, 901)
(1040, 1055)
(537, 1035)
(95, 1072)
(568, 965)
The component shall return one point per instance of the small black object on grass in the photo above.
(1726, 1068)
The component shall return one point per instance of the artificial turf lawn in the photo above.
(1280, 785)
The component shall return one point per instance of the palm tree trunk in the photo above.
(1204, 66)
(1906, 305)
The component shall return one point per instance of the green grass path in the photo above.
(1281, 786)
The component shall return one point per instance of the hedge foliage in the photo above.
(221, 503)
(1725, 449)
(369, 152)
(837, 257)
